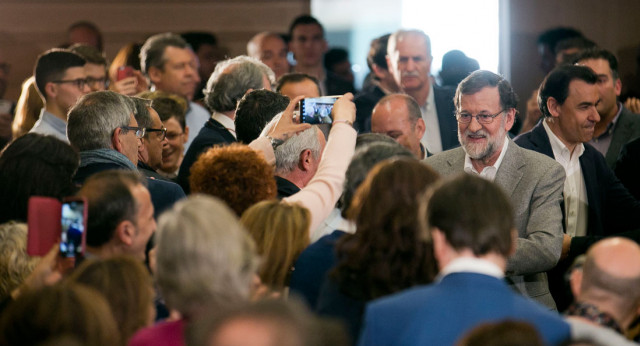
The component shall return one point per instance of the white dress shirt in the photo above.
(431, 138)
(489, 172)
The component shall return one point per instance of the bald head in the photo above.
(270, 48)
(399, 117)
(611, 278)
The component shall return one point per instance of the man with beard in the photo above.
(485, 110)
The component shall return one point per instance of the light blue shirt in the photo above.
(49, 124)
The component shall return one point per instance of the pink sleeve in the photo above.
(263, 145)
(323, 191)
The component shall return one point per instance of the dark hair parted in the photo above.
(556, 84)
(472, 213)
(389, 251)
(296, 77)
(34, 165)
(603, 54)
(304, 19)
(255, 110)
(236, 174)
(110, 200)
(52, 65)
(126, 284)
(480, 79)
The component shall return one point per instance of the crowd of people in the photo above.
(427, 212)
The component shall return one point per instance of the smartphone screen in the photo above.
(317, 110)
(73, 228)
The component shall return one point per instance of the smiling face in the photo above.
(154, 141)
(179, 74)
(483, 142)
(410, 62)
(173, 148)
(574, 120)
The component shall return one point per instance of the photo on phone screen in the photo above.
(73, 228)
(317, 110)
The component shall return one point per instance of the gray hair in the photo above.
(15, 264)
(232, 78)
(152, 51)
(393, 39)
(288, 154)
(141, 112)
(92, 121)
(204, 255)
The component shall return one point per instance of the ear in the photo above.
(420, 128)
(155, 74)
(115, 140)
(306, 158)
(617, 86)
(125, 232)
(186, 133)
(575, 280)
(554, 107)
(511, 118)
(51, 90)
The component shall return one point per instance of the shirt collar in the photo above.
(490, 171)
(471, 265)
(55, 122)
(559, 149)
(225, 121)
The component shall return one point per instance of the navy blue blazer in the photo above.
(612, 209)
(446, 116)
(441, 313)
(213, 133)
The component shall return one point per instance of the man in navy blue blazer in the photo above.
(471, 222)
(596, 204)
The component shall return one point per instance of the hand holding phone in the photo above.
(317, 110)
(124, 72)
(50, 221)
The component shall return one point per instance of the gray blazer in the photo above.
(535, 183)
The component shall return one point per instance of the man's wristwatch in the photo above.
(275, 142)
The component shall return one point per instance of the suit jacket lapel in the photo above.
(509, 173)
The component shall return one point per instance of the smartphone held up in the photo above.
(317, 110)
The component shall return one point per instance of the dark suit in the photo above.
(441, 313)
(534, 184)
(628, 167)
(627, 128)
(365, 102)
(612, 209)
(446, 116)
(213, 133)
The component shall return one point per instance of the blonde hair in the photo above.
(27, 109)
(280, 231)
(15, 264)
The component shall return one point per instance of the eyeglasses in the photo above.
(465, 118)
(80, 82)
(101, 81)
(139, 131)
(173, 135)
(162, 130)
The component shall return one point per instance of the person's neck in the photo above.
(605, 120)
(297, 177)
(453, 255)
(102, 252)
(420, 95)
(313, 70)
(53, 108)
(604, 304)
(555, 128)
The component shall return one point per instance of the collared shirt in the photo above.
(431, 138)
(49, 124)
(603, 142)
(489, 172)
(576, 206)
(225, 121)
(593, 314)
(471, 265)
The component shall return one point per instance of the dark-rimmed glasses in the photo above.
(79, 83)
(104, 81)
(138, 131)
(465, 118)
(162, 130)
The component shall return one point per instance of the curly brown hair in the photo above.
(389, 252)
(236, 174)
